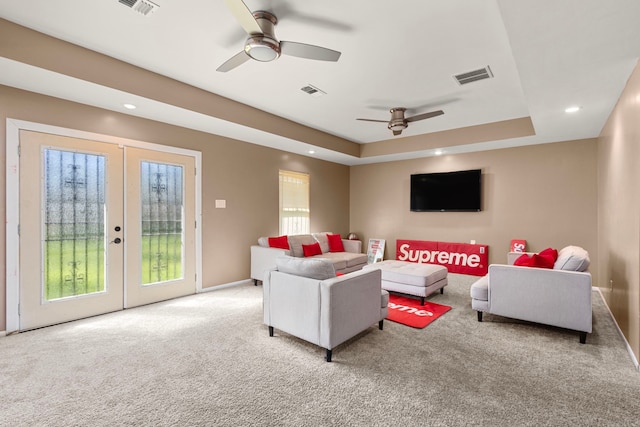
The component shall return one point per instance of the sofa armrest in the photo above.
(354, 246)
(553, 297)
(350, 305)
(264, 259)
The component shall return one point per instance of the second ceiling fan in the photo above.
(399, 122)
(262, 44)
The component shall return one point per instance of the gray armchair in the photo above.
(305, 299)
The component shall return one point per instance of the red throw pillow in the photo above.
(280, 242)
(540, 261)
(523, 260)
(339, 273)
(551, 254)
(545, 259)
(311, 250)
(335, 243)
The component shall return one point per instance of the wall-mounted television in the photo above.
(458, 191)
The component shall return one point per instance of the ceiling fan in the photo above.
(399, 122)
(262, 44)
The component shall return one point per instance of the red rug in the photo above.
(408, 311)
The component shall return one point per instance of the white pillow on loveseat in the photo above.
(572, 258)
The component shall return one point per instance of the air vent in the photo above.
(144, 7)
(313, 91)
(473, 76)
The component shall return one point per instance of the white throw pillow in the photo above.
(263, 241)
(572, 258)
(314, 268)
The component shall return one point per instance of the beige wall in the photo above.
(619, 212)
(545, 194)
(245, 175)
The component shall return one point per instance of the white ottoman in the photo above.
(411, 278)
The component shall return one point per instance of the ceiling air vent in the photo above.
(473, 76)
(313, 91)
(144, 7)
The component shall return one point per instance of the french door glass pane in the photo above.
(74, 224)
(162, 222)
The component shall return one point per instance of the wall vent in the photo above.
(312, 90)
(145, 7)
(474, 76)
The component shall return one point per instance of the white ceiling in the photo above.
(545, 55)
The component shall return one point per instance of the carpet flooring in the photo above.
(207, 360)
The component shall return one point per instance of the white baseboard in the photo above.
(226, 285)
(631, 354)
(3, 333)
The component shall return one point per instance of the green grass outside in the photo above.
(74, 268)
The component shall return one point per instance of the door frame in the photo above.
(12, 240)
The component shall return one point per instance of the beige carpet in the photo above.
(207, 360)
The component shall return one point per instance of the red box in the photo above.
(518, 245)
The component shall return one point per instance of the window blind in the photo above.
(294, 203)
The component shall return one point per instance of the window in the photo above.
(294, 203)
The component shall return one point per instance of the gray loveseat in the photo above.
(263, 257)
(304, 298)
(558, 297)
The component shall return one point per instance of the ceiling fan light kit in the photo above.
(262, 48)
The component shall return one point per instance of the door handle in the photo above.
(117, 241)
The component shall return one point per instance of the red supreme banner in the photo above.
(460, 258)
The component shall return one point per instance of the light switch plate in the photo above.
(221, 204)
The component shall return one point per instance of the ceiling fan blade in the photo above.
(397, 132)
(244, 16)
(309, 51)
(374, 120)
(233, 62)
(424, 116)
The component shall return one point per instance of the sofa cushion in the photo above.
(572, 258)
(480, 289)
(296, 242)
(322, 239)
(314, 268)
(280, 242)
(335, 243)
(263, 241)
(312, 249)
(342, 260)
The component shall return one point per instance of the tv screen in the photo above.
(458, 191)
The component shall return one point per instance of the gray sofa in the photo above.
(263, 258)
(304, 298)
(558, 297)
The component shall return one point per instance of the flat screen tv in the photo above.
(458, 191)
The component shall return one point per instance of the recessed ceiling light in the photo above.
(573, 109)
(438, 152)
(311, 152)
(129, 106)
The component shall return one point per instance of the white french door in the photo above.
(102, 227)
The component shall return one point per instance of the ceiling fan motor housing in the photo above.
(397, 122)
(263, 47)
